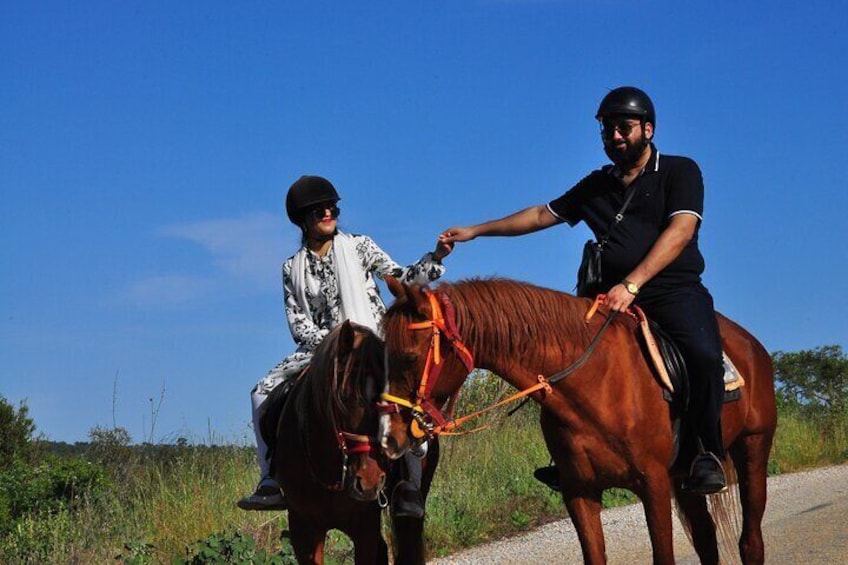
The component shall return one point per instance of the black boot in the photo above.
(548, 475)
(265, 497)
(706, 476)
(407, 501)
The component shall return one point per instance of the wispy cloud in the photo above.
(167, 289)
(246, 251)
(243, 247)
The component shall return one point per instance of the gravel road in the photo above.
(805, 522)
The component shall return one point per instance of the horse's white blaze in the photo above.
(385, 421)
(385, 424)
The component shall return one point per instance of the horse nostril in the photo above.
(393, 450)
(389, 444)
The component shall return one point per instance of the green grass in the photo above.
(161, 505)
(804, 442)
(484, 487)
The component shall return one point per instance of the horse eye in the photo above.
(407, 359)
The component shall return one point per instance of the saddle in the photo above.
(670, 369)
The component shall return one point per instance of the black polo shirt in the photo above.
(668, 186)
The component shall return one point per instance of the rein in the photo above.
(348, 443)
(427, 420)
(600, 299)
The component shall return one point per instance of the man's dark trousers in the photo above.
(687, 315)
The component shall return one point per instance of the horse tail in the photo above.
(725, 509)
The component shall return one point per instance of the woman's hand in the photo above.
(442, 250)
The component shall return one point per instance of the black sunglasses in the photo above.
(622, 125)
(318, 212)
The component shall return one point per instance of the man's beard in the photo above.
(631, 153)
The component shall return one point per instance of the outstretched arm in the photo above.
(526, 221)
(424, 271)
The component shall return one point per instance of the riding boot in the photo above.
(548, 475)
(706, 475)
(268, 495)
(407, 501)
(257, 401)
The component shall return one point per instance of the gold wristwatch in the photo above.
(631, 287)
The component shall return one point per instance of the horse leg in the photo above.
(408, 540)
(699, 524)
(408, 533)
(368, 544)
(750, 455)
(585, 511)
(656, 499)
(307, 540)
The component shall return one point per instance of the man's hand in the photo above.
(618, 299)
(452, 235)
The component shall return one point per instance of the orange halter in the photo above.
(427, 420)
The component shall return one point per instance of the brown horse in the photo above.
(606, 424)
(327, 459)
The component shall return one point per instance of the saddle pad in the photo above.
(732, 377)
(668, 361)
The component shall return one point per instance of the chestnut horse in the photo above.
(327, 459)
(605, 425)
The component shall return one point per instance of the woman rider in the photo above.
(329, 280)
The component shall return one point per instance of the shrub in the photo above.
(136, 553)
(814, 380)
(231, 548)
(16, 434)
(48, 486)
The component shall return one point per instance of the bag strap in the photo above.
(620, 216)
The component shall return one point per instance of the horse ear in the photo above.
(351, 336)
(418, 299)
(347, 340)
(411, 296)
(395, 286)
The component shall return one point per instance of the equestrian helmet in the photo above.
(307, 191)
(627, 100)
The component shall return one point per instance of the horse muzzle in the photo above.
(366, 488)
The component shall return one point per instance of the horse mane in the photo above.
(519, 316)
(335, 385)
(506, 317)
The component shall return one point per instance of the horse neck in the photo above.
(535, 341)
(308, 416)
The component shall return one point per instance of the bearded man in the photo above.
(650, 255)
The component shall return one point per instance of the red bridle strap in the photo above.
(433, 363)
(356, 443)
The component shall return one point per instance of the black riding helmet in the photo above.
(627, 100)
(307, 191)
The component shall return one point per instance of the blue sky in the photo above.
(145, 149)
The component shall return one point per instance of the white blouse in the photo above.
(308, 331)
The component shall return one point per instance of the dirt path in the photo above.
(805, 522)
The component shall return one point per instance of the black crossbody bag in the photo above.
(589, 275)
